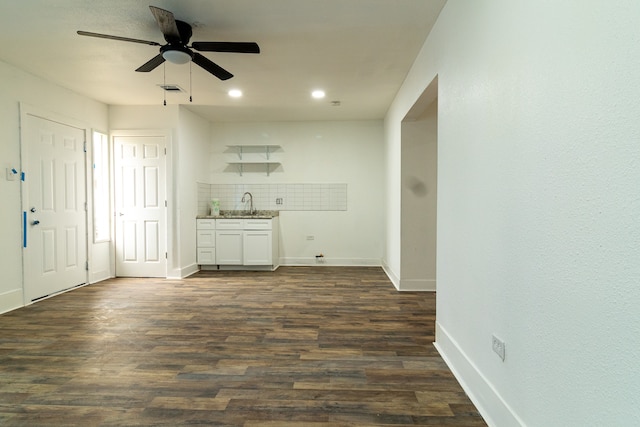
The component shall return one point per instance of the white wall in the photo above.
(18, 87)
(318, 152)
(538, 205)
(162, 118)
(418, 192)
(191, 160)
(128, 117)
(393, 172)
(187, 162)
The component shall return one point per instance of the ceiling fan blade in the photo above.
(235, 47)
(167, 23)
(211, 67)
(151, 64)
(123, 39)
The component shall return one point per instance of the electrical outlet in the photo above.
(498, 346)
(279, 201)
(311, 237)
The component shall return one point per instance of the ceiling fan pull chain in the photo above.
(164, 83)
(190, 83)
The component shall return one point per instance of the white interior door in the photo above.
(140, 206)
(55, 220)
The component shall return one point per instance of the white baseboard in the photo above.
(490, 404)
(334, 262)
(243, 268)
(99, 277)
(181, 273)
(11, 300)
(422, 285)
(395, 280)
(409, 285)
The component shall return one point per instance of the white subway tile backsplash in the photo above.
(295, 197)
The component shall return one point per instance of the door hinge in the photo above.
(86, 207)
(84, 146)
(86, 265)
(166, 256)
(165, 203)
(165, 151)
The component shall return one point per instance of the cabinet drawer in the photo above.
(229, 224)
(206, 238)
(206, 224)
(206, 256)
(257, 224)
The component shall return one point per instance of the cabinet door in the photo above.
(229, 247)
(257, 247)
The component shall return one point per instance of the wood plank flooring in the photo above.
(300, 346)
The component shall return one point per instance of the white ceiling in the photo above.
(358, 51)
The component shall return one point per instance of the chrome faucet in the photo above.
(251, 211)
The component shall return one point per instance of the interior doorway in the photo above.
(140, 204)
(419, 160)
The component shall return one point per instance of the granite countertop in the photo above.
(241, 215)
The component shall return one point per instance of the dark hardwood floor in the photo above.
(301, 346)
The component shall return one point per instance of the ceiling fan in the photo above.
(176, 50)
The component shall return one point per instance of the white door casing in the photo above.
(140, 205)
(54, 200)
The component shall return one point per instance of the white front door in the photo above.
(140, 206)
(55, 219)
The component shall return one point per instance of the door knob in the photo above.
(35, 222)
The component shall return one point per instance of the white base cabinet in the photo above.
(238, 243)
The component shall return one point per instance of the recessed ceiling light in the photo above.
(235, 93)
(318, 94)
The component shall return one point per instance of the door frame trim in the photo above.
(30, 110)
(167, 133)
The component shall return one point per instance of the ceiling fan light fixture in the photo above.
(176, 56)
